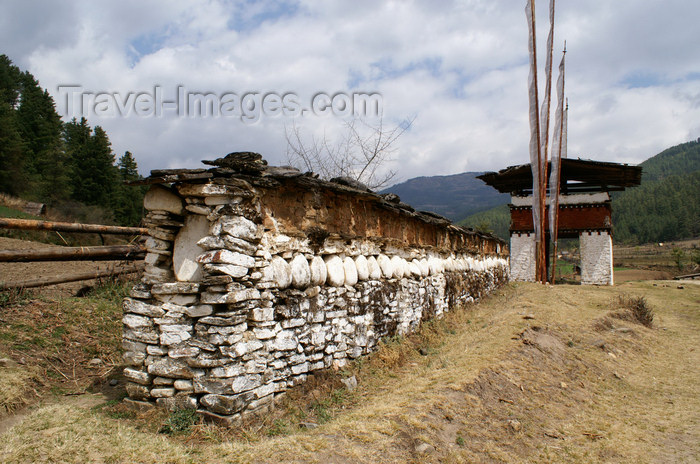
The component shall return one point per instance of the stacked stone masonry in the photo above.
(257, 276)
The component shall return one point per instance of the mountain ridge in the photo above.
(454, 196)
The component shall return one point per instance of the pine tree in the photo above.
(128, 207)
(41, 129)
(12, 176)
(93, 174)
(12, 148)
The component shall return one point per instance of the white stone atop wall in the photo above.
(424, 267)
(398, 266)
(336, 272)
(318, 271)
(350, 271)
(522, 257)
(362, 267)
(414, 268)
(386, 266)
(375, 271)
(301, 272)
(186, 250)
(596, 258)
(281, 271)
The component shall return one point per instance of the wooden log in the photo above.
(29, 224)
(92, 253)
(688, 276)
(42, 282)
(35, 209)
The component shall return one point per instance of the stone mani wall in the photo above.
(255, 280)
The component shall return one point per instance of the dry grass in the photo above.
(11, 202)
(17, 385)
(52, 346)
(492, 387)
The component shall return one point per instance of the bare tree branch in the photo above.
(360, 152)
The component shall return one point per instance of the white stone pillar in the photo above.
(596, 258)
(522, 257)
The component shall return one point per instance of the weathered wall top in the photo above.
(297, 203)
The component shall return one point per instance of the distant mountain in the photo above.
(455, 197)
(665, 207)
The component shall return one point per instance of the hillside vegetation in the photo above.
(69, 166)
(665, 207)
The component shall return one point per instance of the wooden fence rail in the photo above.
(30, 224)
(90, 253)
(41, 282)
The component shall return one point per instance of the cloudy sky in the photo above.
(459, 67)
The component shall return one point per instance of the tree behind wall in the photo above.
(66, 165)
(128, 200)
(360, 152)
(93, 174)
(42, 129)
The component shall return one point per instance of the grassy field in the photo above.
(676, 257)
(532, 374)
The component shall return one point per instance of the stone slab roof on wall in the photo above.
(577, 176)
(250, 168)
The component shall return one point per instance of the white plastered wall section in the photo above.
(596, 258)
(522, 257)
(575, 199)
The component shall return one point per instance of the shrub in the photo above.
(179, 421)
(636, 309)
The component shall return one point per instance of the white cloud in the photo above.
(460, 67)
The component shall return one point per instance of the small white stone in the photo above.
(375, 271)
(183, 385)
(215, 200)
(435, 265)
(301, 272)
(386, 266)
(414, 268)
(137, 322)
(281, 271)
(424, 267)
(335, 269)
(350, 271)
(362, 268)
(318, 271)
(398, 266)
